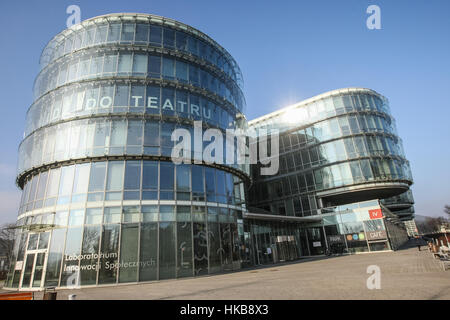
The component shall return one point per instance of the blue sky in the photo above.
(288, 51)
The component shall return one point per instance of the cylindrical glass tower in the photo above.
(336, 148)
(102, 201)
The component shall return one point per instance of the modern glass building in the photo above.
(336, 148)
(340, 154)
(103, 203)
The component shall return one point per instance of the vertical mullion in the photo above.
(158, 221)
(192, 243)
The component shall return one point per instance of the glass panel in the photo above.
(89, 262)
(41, 186)
(197, 179)
(33, 241)
(70, 270)
(182, 41)
(200, 249)
(215, 264)
(193, 46)
(81, 178)
(183, 213)
(167, 213)
(61, 218)
(101, 131)
(115, 176)
(182, 71)
(168, 106)
(65, 187)
(168, 68)
(150, 175)
(110, 63)
(121, 96)
(210, 184)
(118, 134)
(109, 254)
(97, 176)
(225, 236)
(127, 32)
(125, 63)
(153, 99)
(167, 250)
(134, 133)
(155, 35)
(142, 31)
(366, 170)
(220, 177)
(167, 176)
(76, 217)
(151, 134)
(28, 270)
(169, 38)
(150, 213)
(183, 177)
(94, 215)
(114, 32)
(137, 97)
(129, 253)
(131, 214)
(184, 249)
(112, 215)
(148, 252)
(154, 66)
(55, 258)
(140, 63)
(132, 175)
(43, 240)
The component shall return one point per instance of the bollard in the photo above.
(72, 296)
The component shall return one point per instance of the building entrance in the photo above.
(33, 270)
(286, 248)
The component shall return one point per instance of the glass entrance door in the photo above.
(38, 269)
(35, 261)
(28, 270)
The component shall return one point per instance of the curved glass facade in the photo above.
(128, 221)
(99, 137)
(402, 205)
(129, 180)
(97, 64)
(102, 202)
(142, 30)
(102, 97)
(336, 143)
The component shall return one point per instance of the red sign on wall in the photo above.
(375, 214)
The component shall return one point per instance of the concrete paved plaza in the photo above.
(405, 274)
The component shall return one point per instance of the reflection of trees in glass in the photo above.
(129, 252)
(226, 243)
(89, 267)
(166, 250)
(184, 252)
(200, 249)
(352, 227)
(70, 273)
(54, 257)
(214, 247)
(148, 251)
(109, 248)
